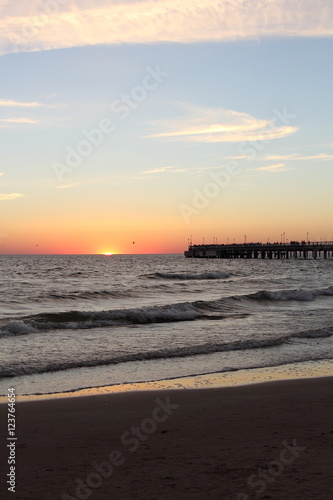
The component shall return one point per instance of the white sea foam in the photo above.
(16, 328)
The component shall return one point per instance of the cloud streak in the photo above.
(298, 156)
(212, 125)
(16, 104)
(278, 167)
(162, 170)
(9, 122)
(11, 108)
(35, 25)
(11, 196)
(18, 120)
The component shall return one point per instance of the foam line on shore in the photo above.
(306, 370)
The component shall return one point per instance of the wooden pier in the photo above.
(294, 249)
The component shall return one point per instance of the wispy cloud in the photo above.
(170, 170)
(285, 157)
(12, 122)
(68, 186)
(219, 125)
(12, 107)
(278, 167)
(237, 157)
(16, 104)
(88, 182)
(31, 26)
(298, 156)
(18, 120)
(11, 196)
(201, 169)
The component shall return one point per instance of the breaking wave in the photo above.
(88, 320)
(285, 295)
(232, 307)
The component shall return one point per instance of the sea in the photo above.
(69, 322)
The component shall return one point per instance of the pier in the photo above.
(293, 249)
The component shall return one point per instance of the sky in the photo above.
(139, 126)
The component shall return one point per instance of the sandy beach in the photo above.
(271, 440)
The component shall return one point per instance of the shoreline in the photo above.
(265, 440)
(243, 377)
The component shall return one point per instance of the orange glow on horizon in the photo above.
(149, 238)
(107, 251)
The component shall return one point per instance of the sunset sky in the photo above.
(150, 121)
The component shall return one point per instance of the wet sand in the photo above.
(271, 440)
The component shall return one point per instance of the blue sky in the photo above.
(200, 85)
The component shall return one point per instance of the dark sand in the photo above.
(207, 448)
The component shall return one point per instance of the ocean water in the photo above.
(72, 322)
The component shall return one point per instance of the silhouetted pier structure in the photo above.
(294, 249)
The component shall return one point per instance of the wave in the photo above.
(138, 356)
(285, 295)
(236, 302)
(215, 275)
(17, 328)
(227, 307)
(87, 295)
(114, 317)
(167, 353)
(315, 334)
